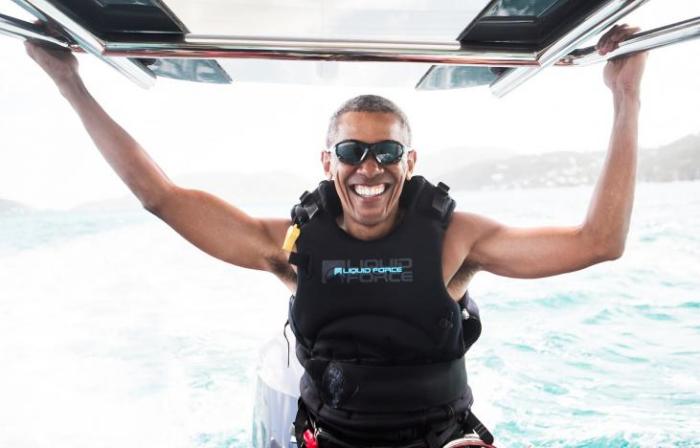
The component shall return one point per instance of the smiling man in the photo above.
(369, 190)
(377, 260)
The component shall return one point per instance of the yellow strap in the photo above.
(293, 233)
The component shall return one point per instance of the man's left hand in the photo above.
(623, 74)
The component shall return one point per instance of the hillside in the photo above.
(468, 170)
(676, 161)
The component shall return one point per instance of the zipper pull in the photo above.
(293, 233)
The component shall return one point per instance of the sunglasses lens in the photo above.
(388, 152)
(350, 152)
(353, 152)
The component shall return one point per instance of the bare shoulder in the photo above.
(463, 232)
(276, 228)
(467, 228)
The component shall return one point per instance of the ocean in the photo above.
(116, 332)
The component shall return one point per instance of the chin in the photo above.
(371, 219)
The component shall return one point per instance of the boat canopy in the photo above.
(432, 45)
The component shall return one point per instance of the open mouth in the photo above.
(369, 191)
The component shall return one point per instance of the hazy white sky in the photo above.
(46, 159)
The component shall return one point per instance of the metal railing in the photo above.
(643, 41)
(595, 23)
(525, 64)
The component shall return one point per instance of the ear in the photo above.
(326, 162)
(411, 159)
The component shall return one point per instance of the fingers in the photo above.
(30, 47)
(36, 48)
(48, 55)
(49, 28)
(610, 41)
(33, 48)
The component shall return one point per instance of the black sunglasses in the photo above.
(354, 152)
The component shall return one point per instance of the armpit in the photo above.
(460, 281)
(282, 269)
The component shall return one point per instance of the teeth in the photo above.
(369, 190)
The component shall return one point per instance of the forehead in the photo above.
(370, 127)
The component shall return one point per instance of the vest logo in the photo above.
(394, 270)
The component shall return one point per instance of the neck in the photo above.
(369, 232)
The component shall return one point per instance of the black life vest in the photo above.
(381, 341)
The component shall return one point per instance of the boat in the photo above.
(438, 45)
(441, 45)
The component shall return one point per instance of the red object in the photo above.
(310, 439)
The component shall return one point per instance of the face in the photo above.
(369, 192)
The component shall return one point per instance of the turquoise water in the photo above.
(114, 332)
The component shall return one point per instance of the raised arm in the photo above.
(540, 252)
(210, 223)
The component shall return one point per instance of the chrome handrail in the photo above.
(133, 70)
(19, 28)
(317, 44)
(524, 64)
(219, 47)
(646, 40)
(596, 21)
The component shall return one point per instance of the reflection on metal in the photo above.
(19, 28)
(591, 25)
(134, 70)
(189, 70)
(442, 77)
(647, 40)
(520, 8)
(317, 50)
(104, 3)
(292, 43)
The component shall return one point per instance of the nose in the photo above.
(370, 167)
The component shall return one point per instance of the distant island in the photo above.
(676, 161)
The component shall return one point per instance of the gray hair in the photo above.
(367, 103)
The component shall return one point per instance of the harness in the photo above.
(381, 341)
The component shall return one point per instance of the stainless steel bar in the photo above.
(24, 30)
(315, 44)
(14, 27)
(646, 40)
(591, 25)
(322, 50)
(93, 45)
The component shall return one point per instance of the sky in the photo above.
(47, 160)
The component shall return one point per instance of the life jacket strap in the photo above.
(479, 428)
(443, 204)
(306, 208)
(300, 260)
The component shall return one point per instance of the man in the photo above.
(383, 364)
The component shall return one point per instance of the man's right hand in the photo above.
(59, 63)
